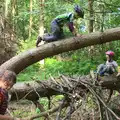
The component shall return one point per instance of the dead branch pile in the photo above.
(84, 96)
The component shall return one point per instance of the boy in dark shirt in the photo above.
(7, 80)
(58, 23)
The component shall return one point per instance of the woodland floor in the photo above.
(22, 108)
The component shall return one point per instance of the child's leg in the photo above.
(56, 33)
(50, 38)
(101, 69)
(110, 70)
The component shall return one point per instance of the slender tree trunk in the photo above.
(6, 8)
(30, 21)
(91, 16)
(90, 25)
(13, 13)
(41, 23)
(7, 45)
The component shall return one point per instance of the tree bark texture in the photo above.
(91, 12)
(30, 20)
(32, 90)
(23, 60)
(8, 42)
(60, 86)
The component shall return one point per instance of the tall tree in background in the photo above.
(91, 16)
(90, 24)
(99, 14)
(41, 22)
(13, 13)
(6, 8)
(7, 41)
(30, 21)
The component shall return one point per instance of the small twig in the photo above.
(9, 113)
(53, 80)
(60, 109)
(107, 116)
(40, 106)
(16, 94)
(101, 110)
(49, 102)
(47, 112)
(93, 114)
(56, 89)
(94, 93)
(27, 94)
(67, 81)
(109, 97)
(61, 86)
(71, 110)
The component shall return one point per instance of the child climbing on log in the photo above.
(109, 67)
(58, 23)
(7, 80)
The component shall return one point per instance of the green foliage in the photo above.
(68, 67)
(54, 68)
(80, 63)
(29, 43)
(31, 73)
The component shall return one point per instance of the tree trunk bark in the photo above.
(61, 86)
(7, 39)
(6, 8)
(41, 24)
(91, 21)
(90, 26)
(32, 90)
(23, 60)
(30, 20)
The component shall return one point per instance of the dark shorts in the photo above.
(56, 32)
(102, 68)
(56, 29)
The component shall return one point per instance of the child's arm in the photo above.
(72, 28)
(115, 66)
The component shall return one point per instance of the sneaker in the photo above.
(39, 39)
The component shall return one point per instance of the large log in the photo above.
(23, 60)
(32, 90)
(110, 82)
(35, 89)
(64, 85)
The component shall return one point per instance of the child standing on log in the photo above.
(58, 23)
(109, 67)
(7, 80)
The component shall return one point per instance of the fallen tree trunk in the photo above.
(32, 90)
(62, 85)
(23, 60)
(74, 91)
(36, 89)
